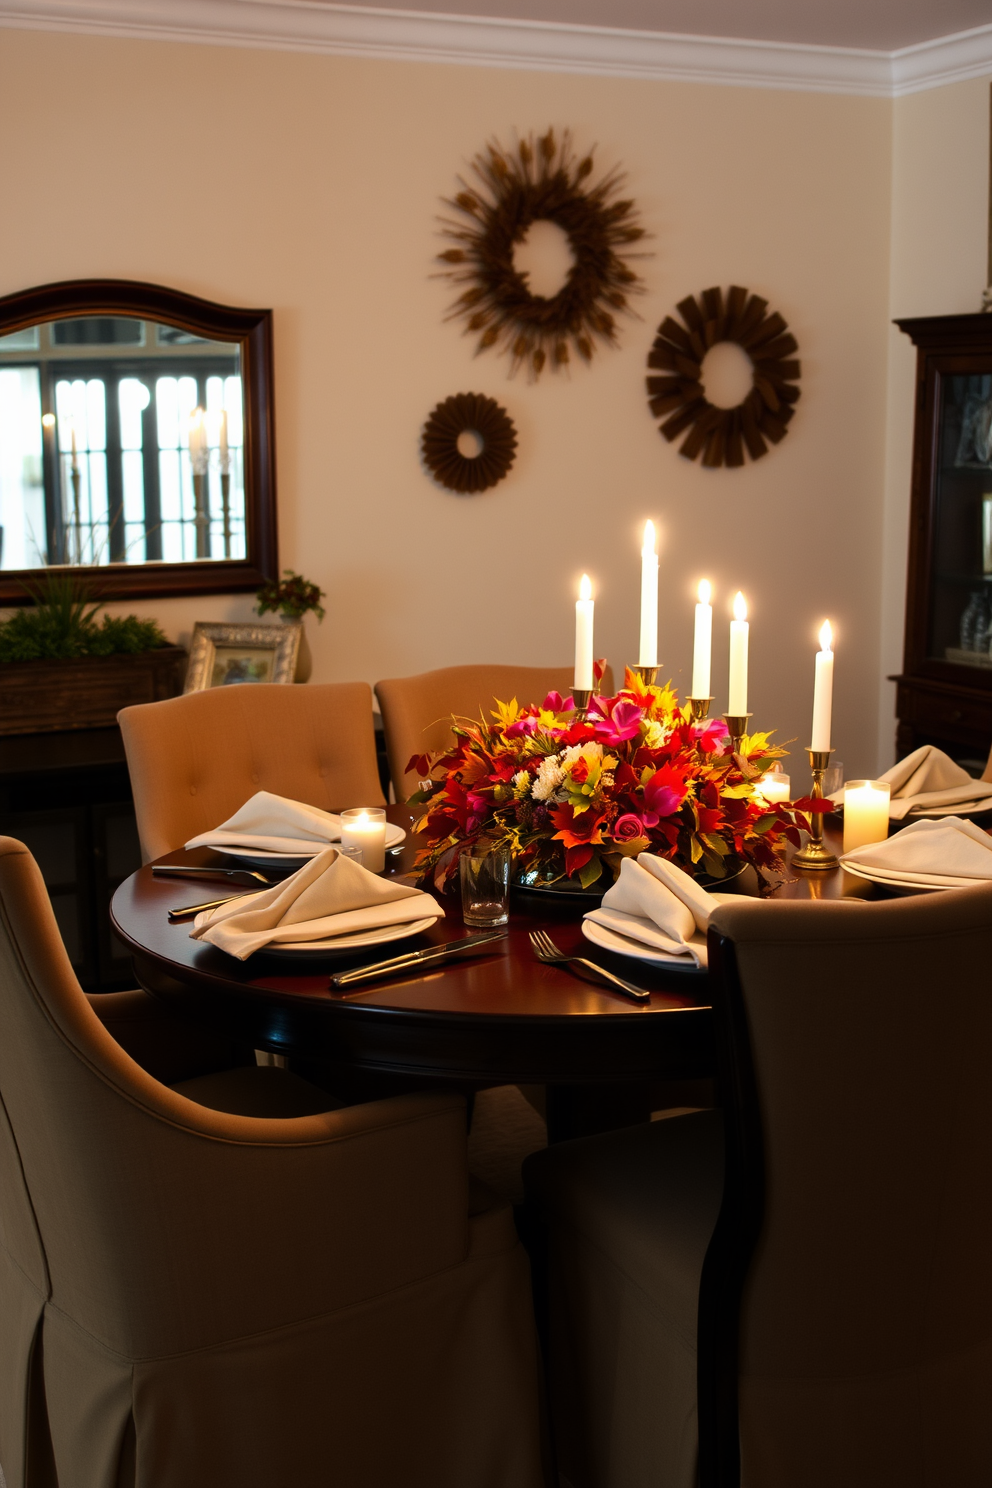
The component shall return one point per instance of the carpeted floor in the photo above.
(505, 1130)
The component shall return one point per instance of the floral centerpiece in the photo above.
(572, 796)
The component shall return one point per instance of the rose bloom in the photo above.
(627, 827)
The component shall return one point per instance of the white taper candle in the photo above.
(648, 655)
(823, 690)
(737, 690)
(702, 646)
(584, 609)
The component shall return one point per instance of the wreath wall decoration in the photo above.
(721, 435)
(510, 190)
(476, 414)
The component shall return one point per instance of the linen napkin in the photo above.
(928, 778)
(659, 906)
(276, 824)
(329, 896)
(937, 851)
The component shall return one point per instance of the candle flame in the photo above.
(740, 606)
(585, 588)
(826, 636)
(705, 591)
(48, 419)
(648, 548)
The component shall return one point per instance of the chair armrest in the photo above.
(168, 1046)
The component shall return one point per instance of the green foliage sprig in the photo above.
(294, 596)
(61, 625)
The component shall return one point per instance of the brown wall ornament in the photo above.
(721, 435)
(511, 190)
(476, 414)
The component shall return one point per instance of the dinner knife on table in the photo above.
(472, 944)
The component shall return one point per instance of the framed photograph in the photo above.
(220, 655)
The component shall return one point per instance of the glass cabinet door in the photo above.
(959, 627)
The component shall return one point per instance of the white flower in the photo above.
(549, 778)
(656, 734)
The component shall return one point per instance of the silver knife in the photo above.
(414, 959)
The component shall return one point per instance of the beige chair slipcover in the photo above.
(866, 1323)
(194, 1299)
(194, 760)
(416, 711)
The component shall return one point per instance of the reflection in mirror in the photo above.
(121, 441)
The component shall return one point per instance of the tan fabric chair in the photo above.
(195, 759)
(416, 711)
(843, 1301)
(194, 1299)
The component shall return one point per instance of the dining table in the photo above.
(502, 1017)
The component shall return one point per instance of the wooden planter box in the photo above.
(46, 697)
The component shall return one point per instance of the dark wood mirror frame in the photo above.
(252, 329)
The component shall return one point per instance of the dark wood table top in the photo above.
(502, 1016)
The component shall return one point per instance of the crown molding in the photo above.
(400, 35)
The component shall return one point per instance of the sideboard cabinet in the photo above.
(944, 692)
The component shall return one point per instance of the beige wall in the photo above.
(940, 231)
(310, 184)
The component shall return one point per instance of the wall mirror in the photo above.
(136, 441)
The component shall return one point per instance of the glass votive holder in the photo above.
(485, 881)
(365, 827)
(866, 813)
(775, 787)
(833, 781)
(352, 853)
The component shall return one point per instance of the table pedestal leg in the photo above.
(584, 1110)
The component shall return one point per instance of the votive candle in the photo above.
(584, 612)
(823, 691)
(775, 787)
(702, 642)
(866, 813)
(649, 599)
(365, 827)
(737, 690)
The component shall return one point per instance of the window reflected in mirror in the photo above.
(121, 442)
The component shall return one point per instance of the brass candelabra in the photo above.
(699, 708)
(737, 729)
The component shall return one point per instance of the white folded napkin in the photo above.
(928, 778)
(276, 824)
(328, 897)
(659, 906)
(950, 848)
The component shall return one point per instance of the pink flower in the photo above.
(521, 726)
(555, 703)
(663, 794)
(627, 827)
(623, 723)
(711, 735)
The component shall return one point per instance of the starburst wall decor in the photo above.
(510, 190)
(721, 435)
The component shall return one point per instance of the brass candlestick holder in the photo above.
(814, 854)
(582, 697)
(647, 674)
(699, 708)
(736, 728)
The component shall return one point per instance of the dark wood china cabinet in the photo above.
(944, 693)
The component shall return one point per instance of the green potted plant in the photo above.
(293, 597)
(60, 669)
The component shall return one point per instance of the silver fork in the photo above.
(546, 950)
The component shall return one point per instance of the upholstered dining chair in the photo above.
(221, 1282)
(416, 711)
(195, 759)
(813, 1264)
